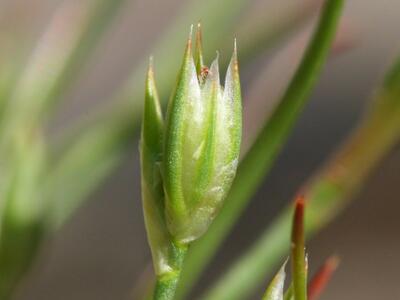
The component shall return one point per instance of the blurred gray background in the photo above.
(102, 251)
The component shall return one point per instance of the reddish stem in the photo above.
(322, 278)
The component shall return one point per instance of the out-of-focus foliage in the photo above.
(44, 180)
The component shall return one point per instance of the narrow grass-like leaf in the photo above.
(329, 191)
(298, 255)
(262, 154)
(151, 145)
(57, 59)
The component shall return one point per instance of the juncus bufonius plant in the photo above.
(189, 160)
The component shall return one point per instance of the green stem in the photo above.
(167, 283)
(165, 287)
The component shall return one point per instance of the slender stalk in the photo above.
(166, 284)
(261, 156)
(319, 281)
(298, 257)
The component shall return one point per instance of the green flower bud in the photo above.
(201, 145)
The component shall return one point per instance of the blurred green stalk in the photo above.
(327, 194)
(21, 219)
(262, 154)
(56, 61)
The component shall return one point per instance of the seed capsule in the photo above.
(201, 146)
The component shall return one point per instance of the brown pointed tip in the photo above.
(300, 202)
(188, 50)
(150, 84)
(299, 211)
(298, 222)
(150, 69)
(235, 57)
(189, 42)
(299, 257)
(199, 38)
